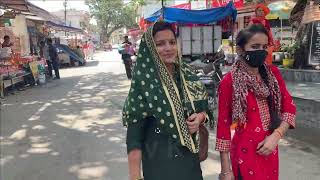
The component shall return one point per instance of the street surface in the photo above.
(71, 129)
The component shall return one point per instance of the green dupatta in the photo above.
(154, 92)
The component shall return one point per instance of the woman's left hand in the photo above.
(194, 122)
(267, 146)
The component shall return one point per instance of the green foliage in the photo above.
(291, 49)
(112, 15)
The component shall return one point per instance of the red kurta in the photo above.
(245, 140)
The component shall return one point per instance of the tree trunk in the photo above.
(297, 13)
(301, 54)
(108, 34)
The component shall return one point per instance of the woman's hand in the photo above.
(134, 160)
(226, 177)
(267, 146)
(194, 122)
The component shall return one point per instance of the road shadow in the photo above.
(68, 129)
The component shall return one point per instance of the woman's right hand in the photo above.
(226, 177)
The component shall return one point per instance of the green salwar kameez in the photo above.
(155, 114)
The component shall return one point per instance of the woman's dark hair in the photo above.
(49, 40)
(242, 39)
(161, 26)
(246, 34)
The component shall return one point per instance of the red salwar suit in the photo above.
(243, 145)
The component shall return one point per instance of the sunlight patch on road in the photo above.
(31, 103)
(96, 99)
(66, 120)
(93, 86)
(24, 156)
(39, 127)
(6, 159)
(41, 145)
(55, 153)
(19, 134)
(93, 113)
(39, 150)
(67, 103)
(36, 116)
(115, 139)
(119, 160)
(89, 171)
(87, 120)
(6, 142)
(210, 167)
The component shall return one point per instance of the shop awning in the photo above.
(185, 16)
(38, 14)
(20, 5)
(246, 11)
(62, 27)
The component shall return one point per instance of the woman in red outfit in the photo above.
(254, 99)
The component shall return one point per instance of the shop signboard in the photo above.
(221, 3)
(314, 51)
(198, 5)
(200, 39)
(34, 70)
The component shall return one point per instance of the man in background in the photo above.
(54, 60)
(6, 42)
(126, 56)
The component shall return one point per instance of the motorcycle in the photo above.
(210, 74)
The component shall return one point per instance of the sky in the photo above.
(56, 5)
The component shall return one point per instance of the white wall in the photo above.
(20, 30)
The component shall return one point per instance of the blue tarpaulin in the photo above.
(185, 16)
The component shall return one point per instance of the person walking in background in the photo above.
(54, 60)
(1, 88)
(126, 56)
(7, 42)
(163, 111)
(254, 100)
(91, 49)
(85, 48)
(79, 52)
(44, 51)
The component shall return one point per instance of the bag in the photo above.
(204, 142)
(121, 50)
(204, 139)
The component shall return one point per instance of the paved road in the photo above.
(71, 130)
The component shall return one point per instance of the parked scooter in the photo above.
(210, 74)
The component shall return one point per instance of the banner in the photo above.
(183, 6)
(221, 3)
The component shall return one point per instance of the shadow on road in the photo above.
(69, 129)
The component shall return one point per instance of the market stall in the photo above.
(15, 58)
(200, 31)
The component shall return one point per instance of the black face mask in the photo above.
(255, 58)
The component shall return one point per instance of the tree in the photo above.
(301, 54)
(138, 3)
(112, 15)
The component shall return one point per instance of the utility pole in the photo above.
(162, 8)
(65, 12)
(65, 15)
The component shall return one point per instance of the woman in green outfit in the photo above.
(163, 111)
